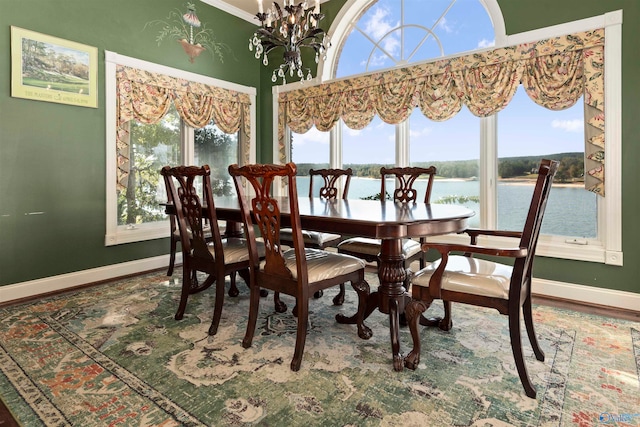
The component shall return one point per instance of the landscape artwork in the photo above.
(47, 68)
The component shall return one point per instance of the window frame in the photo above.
(118, 234)
(607, 247)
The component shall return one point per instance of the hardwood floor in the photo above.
(6, 419)
(599, 310)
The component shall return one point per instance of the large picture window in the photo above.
(179, 118)
(499, 147)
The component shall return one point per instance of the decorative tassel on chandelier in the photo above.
(294, 28)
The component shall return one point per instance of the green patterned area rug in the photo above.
(113, 355)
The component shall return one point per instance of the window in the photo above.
(558, 132)
(134, 212)
(218, 150)
(487, 142)
(309, 150)
(152, 147)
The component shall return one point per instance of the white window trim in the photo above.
(118, 234)
(607, 247)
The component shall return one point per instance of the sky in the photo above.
(446, 27)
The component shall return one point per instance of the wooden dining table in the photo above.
(386, 220)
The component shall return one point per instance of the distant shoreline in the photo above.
(507, 181)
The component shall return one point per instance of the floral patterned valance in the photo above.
(146, 97)
(555, 73)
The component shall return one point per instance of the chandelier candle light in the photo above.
(292, 28)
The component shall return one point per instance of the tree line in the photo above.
(571, 168)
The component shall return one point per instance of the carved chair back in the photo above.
(405, 180)
(190, 215)
(265, 210)
(331, 181)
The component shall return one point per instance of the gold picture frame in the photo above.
(50, 69)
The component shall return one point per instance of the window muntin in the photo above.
(156, 145)
(396, 32)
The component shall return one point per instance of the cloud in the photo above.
(379, 24)
(486, 43)
(313, 136)
(418, 133)
(576, 125)
(444, 24)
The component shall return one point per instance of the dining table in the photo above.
(386, 220)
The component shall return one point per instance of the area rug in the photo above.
(113, 355)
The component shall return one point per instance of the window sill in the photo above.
(140, 233)
(548, 246)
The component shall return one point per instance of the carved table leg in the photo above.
(370, 305)
(414, 315)
(393, 296)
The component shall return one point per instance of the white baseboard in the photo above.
(70, 280)
(567, 291)
(587, 294)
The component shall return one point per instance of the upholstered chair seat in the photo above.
(205, 228)
(314, 239)
(235, 249)
(470, 276)
(322, 264)
(371, 247)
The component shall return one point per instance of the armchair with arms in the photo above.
(480, 282)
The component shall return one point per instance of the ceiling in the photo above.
(245, 9)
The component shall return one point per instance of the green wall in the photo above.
(52, 156)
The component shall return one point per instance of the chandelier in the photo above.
(293, 28)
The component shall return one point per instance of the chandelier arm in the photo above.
(290, 27)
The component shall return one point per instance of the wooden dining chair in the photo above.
(404, 192)
(217, 258)
(479, 282)
(297, 271)
(329, 190)
(174, 232)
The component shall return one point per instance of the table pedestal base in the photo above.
(391, 297)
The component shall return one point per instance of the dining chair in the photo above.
(404, 192)
(217, 258)
(174, 233)
(297, 271)
(480, 282)
(329, 190)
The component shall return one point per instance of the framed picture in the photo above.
(46, 68)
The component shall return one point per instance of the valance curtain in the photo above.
(555, 73)
(146, 97)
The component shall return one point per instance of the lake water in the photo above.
(571, 210)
